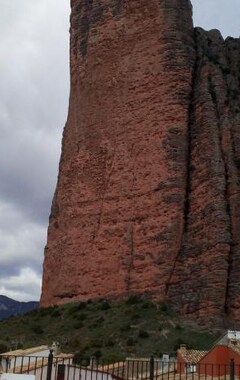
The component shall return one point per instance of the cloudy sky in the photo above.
(34, 85)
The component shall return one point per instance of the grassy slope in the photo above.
(111, 330)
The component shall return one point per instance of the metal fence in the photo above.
(61, 368)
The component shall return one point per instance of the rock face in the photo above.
(148, 193)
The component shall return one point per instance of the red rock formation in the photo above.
(205, 279)
(148, 194)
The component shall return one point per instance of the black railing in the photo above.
(63, 368)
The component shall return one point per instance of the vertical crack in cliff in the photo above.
(130, 231)
(107, 180)
(186, 206)
(214, 98)
(130, 240)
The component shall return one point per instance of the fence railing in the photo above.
(63, 368)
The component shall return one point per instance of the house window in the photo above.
(191, 368)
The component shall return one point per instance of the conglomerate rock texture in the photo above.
(148, 192)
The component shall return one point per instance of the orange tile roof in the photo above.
(192, 356)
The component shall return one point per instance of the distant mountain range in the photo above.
(10, 307)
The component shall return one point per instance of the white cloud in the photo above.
(23, 287)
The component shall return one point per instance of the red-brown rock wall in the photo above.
(147, 198)
(205, 282)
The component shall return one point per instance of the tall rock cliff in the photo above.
(148, 192)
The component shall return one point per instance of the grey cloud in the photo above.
(33, 109)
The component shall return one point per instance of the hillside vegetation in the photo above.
(106, 329)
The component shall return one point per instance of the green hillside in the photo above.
(106, 329)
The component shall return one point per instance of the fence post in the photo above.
(151, 374)
(232, 369)
(49, 366)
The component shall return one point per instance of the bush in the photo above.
(147, 305)
(37, 329)
(134, 299)
(98, 322)
(178, 327)
(77, 307)
(82, 305)
(3, 348)
(82, 317)
(166, 309)
(104, 306)
(125, 328)
(178, 343)
(130, 342)
(80, 358)
(109, 343)
(143, 334)
(135, 316)
(78, 325)
(113, 358)
(97, 354)
(74, 343)
(55, 313)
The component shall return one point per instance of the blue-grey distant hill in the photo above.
(10, 307)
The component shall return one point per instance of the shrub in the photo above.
(82, 317)
(109, 343)
(178, 327)
(37, 329)
(125, 328)
(82, 305)
(74, 343)
(166, 309)
(80, 358)
(178, 343)
(143, 334)
(104, 306)
(113, 358)
(55, 313)
(132, 300)
(135, 316)
(130, 342)
(78, 325)
(97, 354)
(147, 305)
(96, 343)
(3, 348)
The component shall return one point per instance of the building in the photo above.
(220, 360)
(32, 361)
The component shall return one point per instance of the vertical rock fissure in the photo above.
(213, 94)
(189, 138)
(130, 262)
(130, 233)
(85, 25)
(104, 196)
(188, 165)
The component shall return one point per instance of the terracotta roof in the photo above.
(192, 356)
